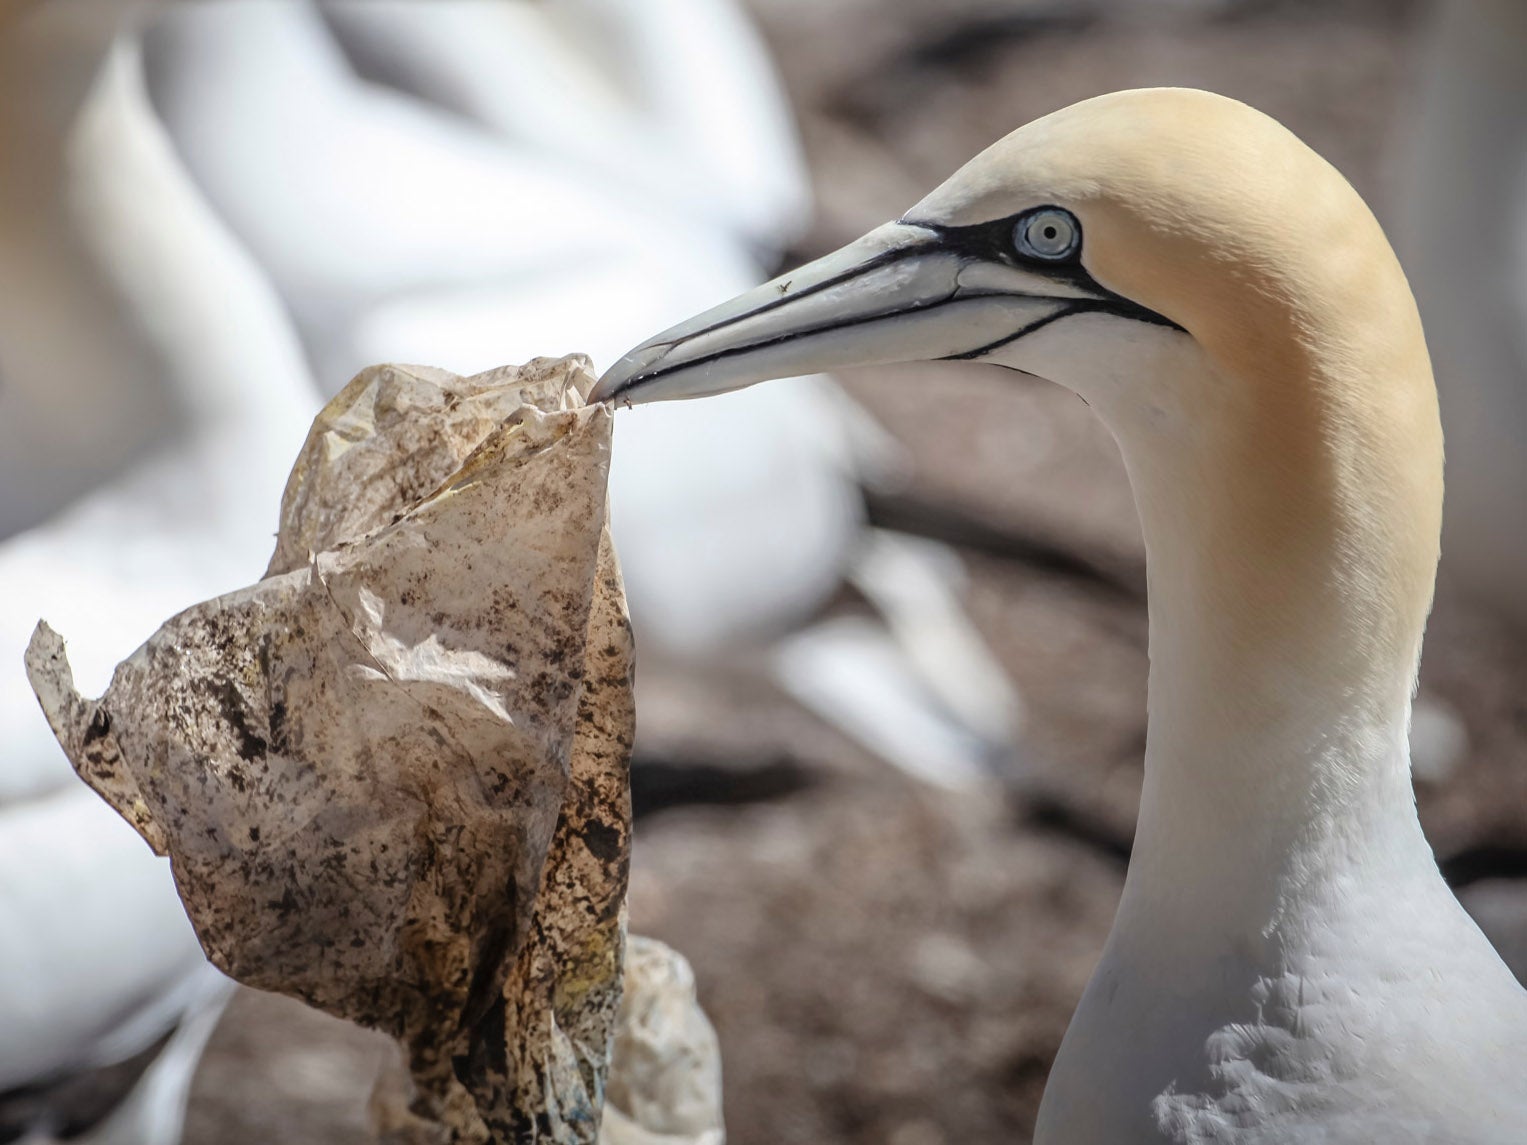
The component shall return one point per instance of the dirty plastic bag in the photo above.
(391, 776)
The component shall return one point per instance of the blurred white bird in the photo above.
(105, 1001)
(210, 206)
(122, 269)
(520, 186)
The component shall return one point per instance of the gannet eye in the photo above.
(1049, 233)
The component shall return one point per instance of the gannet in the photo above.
(1286, 964)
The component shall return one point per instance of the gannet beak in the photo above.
(906, 291)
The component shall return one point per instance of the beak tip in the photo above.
(612, 383)
(623, 381)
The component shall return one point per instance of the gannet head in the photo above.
(1141, 218)
(1217, 292)
(1012, 244)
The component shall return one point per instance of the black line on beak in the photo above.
(982, 351)
(950, 299)
(875, 262)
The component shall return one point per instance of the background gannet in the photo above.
(155, 382)
(98, 964)
(1286, 963)
(282, 112)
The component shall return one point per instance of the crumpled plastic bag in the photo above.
(391, 776)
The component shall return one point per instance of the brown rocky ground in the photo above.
(885, 963)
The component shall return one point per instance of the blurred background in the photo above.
(892, 624)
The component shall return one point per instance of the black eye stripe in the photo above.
(995, 241)
(992, 241)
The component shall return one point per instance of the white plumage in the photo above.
(98, 960)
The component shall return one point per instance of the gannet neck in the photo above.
(1285, 947)
(1284, 633)
(1291, 526)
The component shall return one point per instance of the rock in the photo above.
(665, 1077)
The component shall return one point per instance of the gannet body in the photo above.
(1287, 964)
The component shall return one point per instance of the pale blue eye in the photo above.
(1049, 233)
